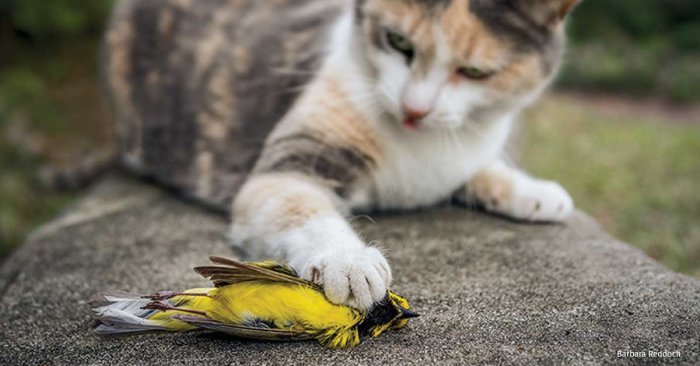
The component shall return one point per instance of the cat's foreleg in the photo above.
(508, 191)
(296, 219)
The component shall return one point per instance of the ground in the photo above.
(489, 291)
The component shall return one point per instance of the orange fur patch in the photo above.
(291, 207)
(520, 75)
(473, 45)
(295, 210)
(491, 188)
(337, 120)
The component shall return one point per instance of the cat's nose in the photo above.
(415, 114)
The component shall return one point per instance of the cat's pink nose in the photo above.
(415, 114)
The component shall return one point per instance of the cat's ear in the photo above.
(551, 13)
(566, 7)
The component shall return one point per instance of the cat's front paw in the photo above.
(358, 277)
(535, 200)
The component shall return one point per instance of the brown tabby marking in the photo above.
(196, 87)
(333, 142)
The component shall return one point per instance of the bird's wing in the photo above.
(275, 266)
(228, 271)
(269, 334)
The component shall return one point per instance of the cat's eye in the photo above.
(400, 44)
(474, 73)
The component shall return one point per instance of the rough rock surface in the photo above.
(490, 291)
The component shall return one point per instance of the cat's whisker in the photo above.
(385, 94)
(289, 71)
(369, 95)
(370, 98)
(296, 89)
(359, 217)
(481, 135)
(455, 140)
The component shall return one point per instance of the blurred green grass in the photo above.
(637, 47)
(616, 66)
(50, 116)
(25, 201)
(638, 176)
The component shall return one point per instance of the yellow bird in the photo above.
(259, 300)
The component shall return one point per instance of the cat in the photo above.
(298, 113)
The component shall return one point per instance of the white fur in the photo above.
(422, 168)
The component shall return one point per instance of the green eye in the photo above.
(400, 44)
(474, 73)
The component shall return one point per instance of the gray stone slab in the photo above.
(490, 291)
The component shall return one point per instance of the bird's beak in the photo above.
(408, 314)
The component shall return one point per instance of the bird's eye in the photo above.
(474, 73)
(400, 44)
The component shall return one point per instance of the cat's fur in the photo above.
(199, 84)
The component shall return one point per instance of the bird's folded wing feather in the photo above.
(269, 334)
(275, 266)
(227, 271)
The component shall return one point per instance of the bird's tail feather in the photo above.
(121, 314)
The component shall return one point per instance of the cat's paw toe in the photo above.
(540, 200)
(357, 277)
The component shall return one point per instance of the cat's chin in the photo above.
(410, 124)
(432, 125)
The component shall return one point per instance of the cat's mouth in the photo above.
(410, 123)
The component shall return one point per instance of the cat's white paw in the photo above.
(534, 200)
(358, 277)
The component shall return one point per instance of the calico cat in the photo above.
(301, 112)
